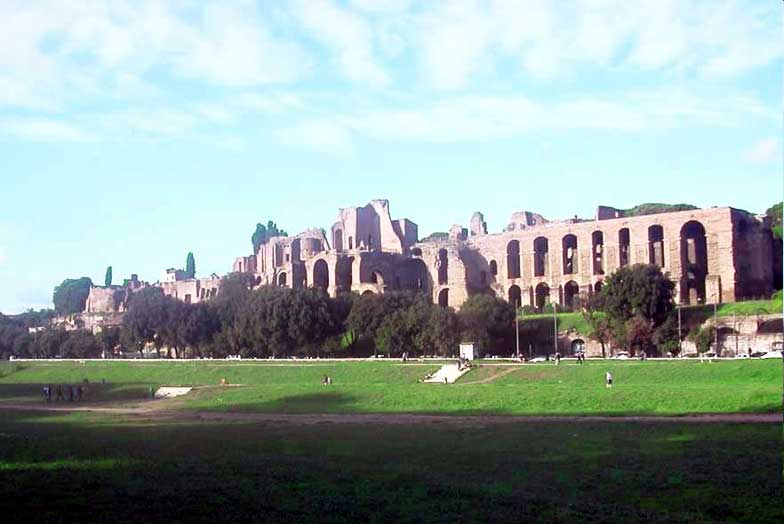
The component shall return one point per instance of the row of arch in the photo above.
(541, 294)
(694, 256)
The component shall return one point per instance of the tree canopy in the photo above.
(263, 233)
(107, 280)
(71, 295)
(775, 214)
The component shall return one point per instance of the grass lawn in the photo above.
(651, 387)
(99, 468)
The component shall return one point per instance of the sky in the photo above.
(134, 132)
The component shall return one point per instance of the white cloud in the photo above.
(349, 37)
(764, 151)
(44, 130)
(381, 6)
(320, 136)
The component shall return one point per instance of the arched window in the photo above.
(624, 241)
(443, 266)
(540, 256)
(571, 293)
(694, 262)
(656, 245)
(597, 239)
(515, 296)
(443, 298)
(338, 239)
(569, 255)
(513, 259)
(321, 275)
(493, 268)
(542, 294)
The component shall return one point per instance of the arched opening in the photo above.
(321, 275)
(343, 276)
(417, 252)
(282, 279)
(513, 259)
(377, 278)
(367, 293)
(493, 267)
(541, 265)
(656, 245)
(338, 239)
(694, 262)
(414, 276)
(257, 282)
(571, 294)
(351, 242)
(515, 296)
(597, 239)
(624, 241)
(597, 288)
(569, 244)
(442, 264)
(542, 293)
(443, 298)
(578, 346)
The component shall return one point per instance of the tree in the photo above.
(703, 337)
(489, 321)
(667, 338)
(601, 329)
(190, 266)
(638, 290)
(263, 233)
(147, 316)
(775, 214)
(198, 327)
(110, 339)
(368, 312)
(71, 295)
(107, 280)
(639, 335)
(80, 343)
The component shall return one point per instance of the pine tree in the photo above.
(190, 266)
(108, 278)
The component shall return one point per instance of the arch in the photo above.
(577, 346)
(416, 252)
(337, 236)
(542, 295)
(442, 264)
(541, 248)
(624, 241)
(493, 267)
(656, 245)
(377, 278)
(367, 292)
(257, 282)
(597, 288)
(443, 297)
(343, 273)
(694, 262)
(569, 244)
(414, 275)
(513, 259)
(571, 294)
(282, 279)
(321, 274)
(597, 241)
(515, 296)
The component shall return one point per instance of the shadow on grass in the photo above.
(91, 392)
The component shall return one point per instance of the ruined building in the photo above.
(713, 255)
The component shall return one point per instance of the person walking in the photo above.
(59, 392)
(47, 397)
(608, 379)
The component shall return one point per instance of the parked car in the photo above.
(621, 355)
(772, 354)
(538, 359)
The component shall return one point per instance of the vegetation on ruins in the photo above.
(190, 266)
(775, 214)
(107, 279)
(436, 236)
(70, 296)
(655, 208)
(263, 233)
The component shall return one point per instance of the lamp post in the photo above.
(555, 329)
(517, 330)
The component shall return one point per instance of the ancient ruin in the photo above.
(713, 255)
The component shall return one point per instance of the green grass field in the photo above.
(175, 465)
(651, 387)
(97, 468)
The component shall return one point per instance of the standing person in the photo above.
(59, 392)
(70, 391)
(608, 379)
(46, 393)
(557, 358)
(79, 393)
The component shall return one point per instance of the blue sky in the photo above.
(134, 132)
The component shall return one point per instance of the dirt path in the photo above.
(491, 378)
(166, 409)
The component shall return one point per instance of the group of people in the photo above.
(463, 363)
(72, 393)
(327, 380)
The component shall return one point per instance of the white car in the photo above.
(772, 354)
(622, 355)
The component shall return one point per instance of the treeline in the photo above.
(279, 322)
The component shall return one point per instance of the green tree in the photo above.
(147, 317)
(80, 343)
(263, 233)
(601, 329)
(775, 214)
(71, 295)
(110, 339)
(488, 321)
(107, 280)
(703, 337)
(639, 290)
(190, 266)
